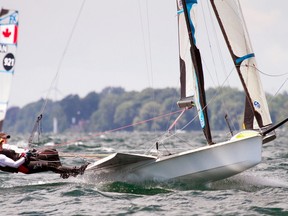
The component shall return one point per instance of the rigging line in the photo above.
(210, 101)
(161, 142)
(220, 54)
(269, 75)
(149, 43)
(218, 95)
(167, 135)
(161, 139)
(218, 47)
(192, 120)
(54, 81)
(176, 120)
(241, 17)
(279, 89)
(146, 47)
(190, 142)
(149, 51)
(97, 156)
(117, 129)
(281, 86)
(152, 146)
(210, 46)
(172, 106)
(65, 49)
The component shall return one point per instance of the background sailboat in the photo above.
(8, 47)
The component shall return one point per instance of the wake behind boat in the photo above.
(216, 160)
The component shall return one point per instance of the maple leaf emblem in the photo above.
(6, 33)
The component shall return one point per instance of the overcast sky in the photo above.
(111, 47)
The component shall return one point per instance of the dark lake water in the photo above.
(261, 190)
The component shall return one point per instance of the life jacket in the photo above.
(10, 153)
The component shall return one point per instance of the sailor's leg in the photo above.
(34, 167)
(66, 172)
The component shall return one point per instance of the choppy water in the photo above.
(261, 190)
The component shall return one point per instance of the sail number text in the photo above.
(8, 61)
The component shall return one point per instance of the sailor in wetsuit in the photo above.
(29, 162)
(6, 163)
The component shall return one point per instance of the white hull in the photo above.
(206, 164)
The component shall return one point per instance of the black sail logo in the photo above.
(8, 61)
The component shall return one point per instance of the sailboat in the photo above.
(8, 47)
(215, 161)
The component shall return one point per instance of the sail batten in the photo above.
(8, 47)
(239, 60)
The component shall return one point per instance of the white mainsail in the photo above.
(8, 47)
(187, 76)
(191, 71)
(232, 24)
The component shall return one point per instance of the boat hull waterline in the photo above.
(202, 165)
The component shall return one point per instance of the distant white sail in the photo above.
(232, 24)
(8, 47)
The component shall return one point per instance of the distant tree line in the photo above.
(115, 108)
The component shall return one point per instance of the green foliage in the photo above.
(148, 111)
(115, 108)
(125, 113)
(225, 101)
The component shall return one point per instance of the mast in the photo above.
(233, 28)
(197, 69)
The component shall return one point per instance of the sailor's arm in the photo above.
(8, 162)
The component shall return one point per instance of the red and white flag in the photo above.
(8, 34)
